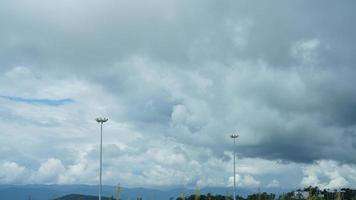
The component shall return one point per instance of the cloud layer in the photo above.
(175, 79)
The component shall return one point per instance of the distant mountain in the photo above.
(48, 192)
(80, 197)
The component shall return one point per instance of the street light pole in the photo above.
(234, 137)
(101, 121)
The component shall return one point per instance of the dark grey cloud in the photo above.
(185, 32)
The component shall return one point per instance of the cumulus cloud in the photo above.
(329, 174)
(246, 181)
(12, 172)
(50, 171)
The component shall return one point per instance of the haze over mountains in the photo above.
(46, 192)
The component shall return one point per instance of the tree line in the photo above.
(309, 193)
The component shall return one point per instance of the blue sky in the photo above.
(48, 102)
(175, 79)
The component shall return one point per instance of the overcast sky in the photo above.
(176, 78)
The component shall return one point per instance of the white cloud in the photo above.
(50, 171)
(11, 172)
(329, 174)
(273, 184)
(70, 134)
(245, 181)
(180, 114)
(240, 32)
(306, 51)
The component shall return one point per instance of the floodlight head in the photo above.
(101, 120)
(234, 136)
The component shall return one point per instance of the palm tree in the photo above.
(339, 196)
(118, 190)
(197, 194)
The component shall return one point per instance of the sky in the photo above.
(176, 79)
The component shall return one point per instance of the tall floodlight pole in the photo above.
(101, 121)
(234, 137)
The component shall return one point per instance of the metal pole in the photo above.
(234, 169)
(101, 156)
(234, 136)
(101, 121)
